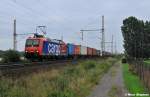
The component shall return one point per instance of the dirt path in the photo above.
(111, 85)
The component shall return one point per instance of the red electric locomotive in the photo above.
(33, 47)
(39, 47)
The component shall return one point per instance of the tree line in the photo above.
(136, 34)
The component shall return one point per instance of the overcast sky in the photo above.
(67, 18)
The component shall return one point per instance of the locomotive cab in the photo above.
(33, 47)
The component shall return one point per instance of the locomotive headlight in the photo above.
(37, 51)
(26, 51)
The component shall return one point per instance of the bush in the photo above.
(11, 56)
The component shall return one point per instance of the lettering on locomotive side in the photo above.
(53, 49)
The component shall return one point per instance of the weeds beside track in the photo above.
(19, 69)
(23, 68)
(71, 81)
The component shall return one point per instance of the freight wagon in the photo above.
(89, 51)
(63, 48)
(93, 51)
(70, 50)
(83, 50)
(77, 50)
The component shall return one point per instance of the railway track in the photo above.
(4, 66)
(19, 69)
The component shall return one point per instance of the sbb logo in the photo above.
(53, 49)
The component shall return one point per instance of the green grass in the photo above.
(132, 81)
(70, 81)
(147, 63)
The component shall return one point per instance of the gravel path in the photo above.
(111, 85)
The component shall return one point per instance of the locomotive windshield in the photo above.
(32, 42)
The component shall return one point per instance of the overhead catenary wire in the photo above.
(29, 12)
(26, 12)
(18, 8)
(32, 12)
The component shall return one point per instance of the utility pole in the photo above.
(103, 37)
(112, 45)
(62, 36)
(14, 36)
(102, 42)
(82, 34)
(115, 47)
(89, 31)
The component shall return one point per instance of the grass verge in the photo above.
(147, 62)
(71, 81)
(132, 82)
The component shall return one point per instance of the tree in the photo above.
(136, 34)
(146, 44)
(132, 30)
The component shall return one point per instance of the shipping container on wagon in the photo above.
(93, 51)
(51, 48)
(70, 49)
(63, 48)
(83, 50)
(89, 51)
(77, 50)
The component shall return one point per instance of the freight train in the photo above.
(39, 47)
